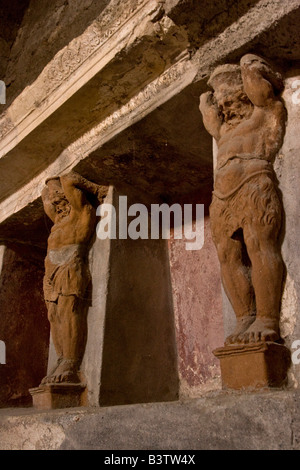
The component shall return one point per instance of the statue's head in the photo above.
(226, 81)
(57, 196)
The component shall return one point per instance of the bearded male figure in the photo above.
(246, 117)
(67, 276)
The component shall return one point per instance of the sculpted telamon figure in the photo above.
(246, 117)
(67, 275)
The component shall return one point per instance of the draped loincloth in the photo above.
(253, 200)
(66, 273)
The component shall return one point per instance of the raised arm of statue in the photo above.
(210, 112)
(49, 208)
(260, 82)
(75, 186)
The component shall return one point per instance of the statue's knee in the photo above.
(224, 252)
(261, 242)
(253, 246)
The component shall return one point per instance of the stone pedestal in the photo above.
(253, 366)
(52, 396)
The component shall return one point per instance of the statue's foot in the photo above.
(66, 371)
(263, 329)
(242, 325)
(48, 377)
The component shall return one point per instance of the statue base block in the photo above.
(253, 366)
(60, 395)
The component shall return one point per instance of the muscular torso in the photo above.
(74, 228)
(259, 136)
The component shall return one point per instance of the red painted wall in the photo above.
(196, 287)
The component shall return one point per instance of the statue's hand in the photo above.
(102, 193)
(72, 175)
(261, 66)
(45, 193)
(250, 59)
(210, 113)
(207, 100)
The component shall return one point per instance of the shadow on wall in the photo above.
(24, 326)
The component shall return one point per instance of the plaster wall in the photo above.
(287, 168)
(24, 326)
(197, 300)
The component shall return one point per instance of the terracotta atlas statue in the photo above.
(246, 117)
(67, 275)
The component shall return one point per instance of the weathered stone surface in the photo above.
(58, 129)
(53, 25)
(53, 396)
(218, 421)
(288, 172)
(11, 15)
(75, 70)
(252, 366)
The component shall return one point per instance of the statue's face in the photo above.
(62, 206)
(233, 103)
(58, 199)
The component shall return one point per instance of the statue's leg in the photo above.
(72, 312)
(227, 236)
(267, 273)
(261, 234)
(237, 284)
(54, 320)
(56, 337)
